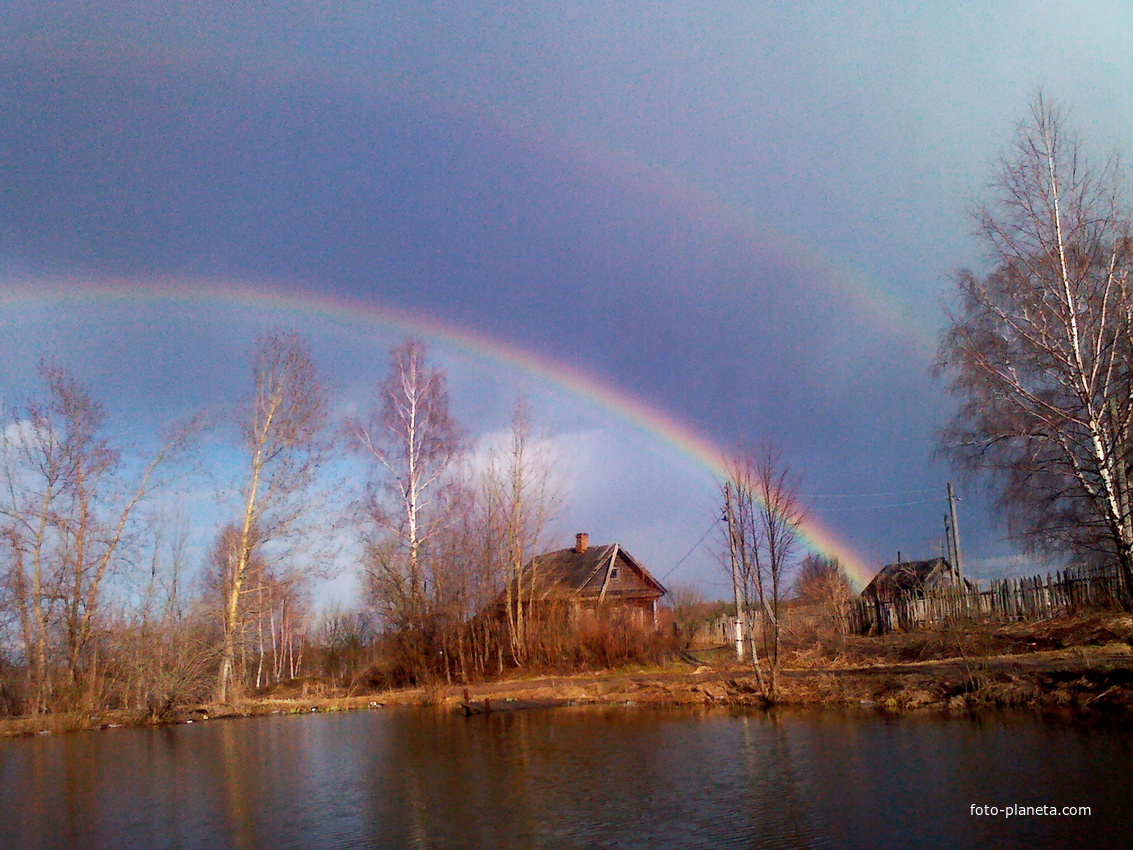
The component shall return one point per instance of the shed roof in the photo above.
(908, 577)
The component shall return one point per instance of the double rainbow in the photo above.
(656, 423)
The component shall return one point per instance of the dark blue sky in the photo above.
(744, 215)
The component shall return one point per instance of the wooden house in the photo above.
(594, 577)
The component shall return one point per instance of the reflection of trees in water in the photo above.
(26, 815)
(780, 813)
(893, 781)
(594, 778)
(528, 815)
(580, 778)
(239, 811)
(49, 786)
(449, 781)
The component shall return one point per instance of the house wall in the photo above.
(642, 611)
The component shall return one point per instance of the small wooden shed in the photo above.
(912, 579)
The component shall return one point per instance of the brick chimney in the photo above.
(581, 542)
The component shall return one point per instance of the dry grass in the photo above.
(812, 648)
(1080, 665)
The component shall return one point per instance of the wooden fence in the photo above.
(1033, 598)
(719, 631)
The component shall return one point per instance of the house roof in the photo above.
(906, 577)
(587, 572)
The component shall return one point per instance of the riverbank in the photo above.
(1070, 681)
(1074, 667)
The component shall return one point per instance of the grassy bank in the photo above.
(1078, 666)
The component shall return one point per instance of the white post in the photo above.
(735, 577)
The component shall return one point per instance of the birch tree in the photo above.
(282, 425)
(763, 513)
(1040, 351)
(411, 440)
(519, 499)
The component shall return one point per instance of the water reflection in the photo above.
(566, 778)
(240, 815)
(784, 818)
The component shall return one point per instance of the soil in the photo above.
(1075, 667)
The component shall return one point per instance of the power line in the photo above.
(703, 537)
(842, 509)
(716, 583)
(868, 495)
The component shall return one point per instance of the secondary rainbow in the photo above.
(864, 298)
(658, 424)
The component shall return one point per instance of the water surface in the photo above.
(593, 777)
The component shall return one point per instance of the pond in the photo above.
(572, 777)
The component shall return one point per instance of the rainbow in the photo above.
(653, 422)
(864, 297)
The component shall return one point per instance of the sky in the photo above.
(678, 228)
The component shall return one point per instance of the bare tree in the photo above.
(65, 510)
(160, 646)
(470, 544)
(282, 425)
(822, 582)
(519, 500)
(1040, 351)
(687, 606)
(344, 639)
(763, 512)
(412, 441)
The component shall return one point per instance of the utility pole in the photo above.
(730, 519)
(955, 531)
(949, 556)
